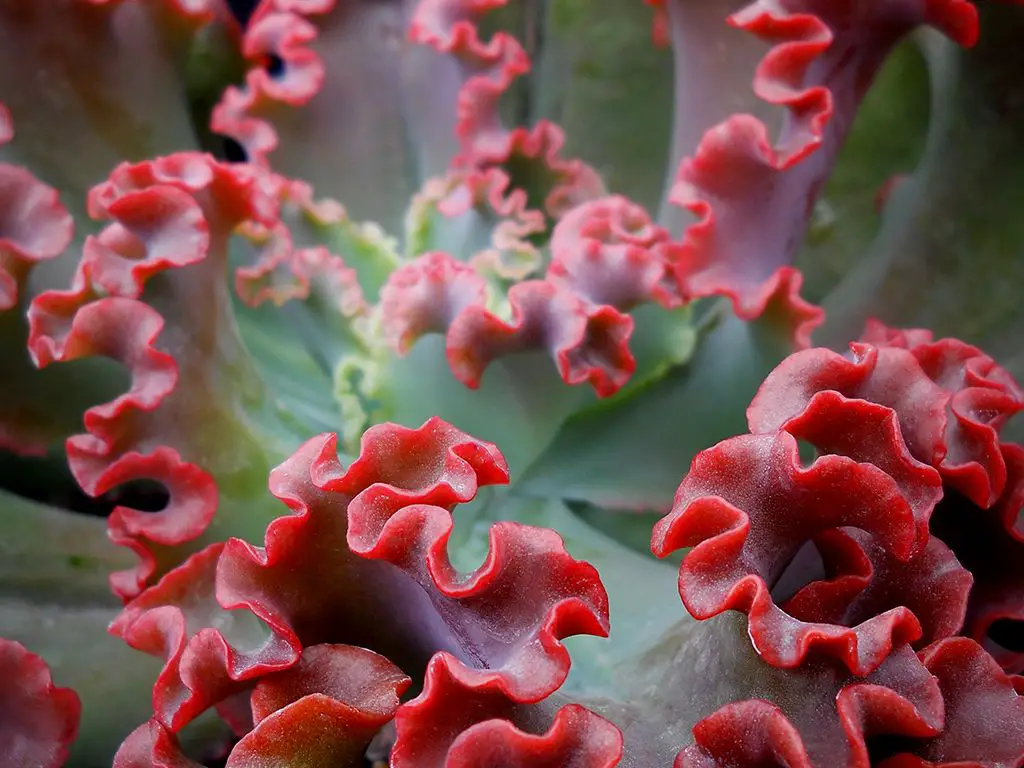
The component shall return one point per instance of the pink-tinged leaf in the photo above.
(376, 532)
(151, 745)
(951, 401)
(752, 732)
(869, 433)
(34, 226)
(608, 257)
(900, 698)
(747, 506)
(322, 712)
(134, 300)
(984, 711)
(38, 720)
(610, 252)
(210, 654)
(391, 506)
(531, 156)
(753, 193)
(80, 109)
(349, 83)
(863, 580)
(459, 721)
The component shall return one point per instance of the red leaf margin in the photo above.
(607, 257)
(38, 720)
(736, 172)
(395, 506)
(165, 214)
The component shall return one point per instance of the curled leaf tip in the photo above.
(38, 720)
(460, 721)
(728, 509)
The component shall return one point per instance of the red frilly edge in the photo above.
(965, 711)
(169, 218)
(323, 711)
(286, 30)
(883, 422)
(607, 258)
(753, 195)
(38, 720)
(34, 226)
(376, 535)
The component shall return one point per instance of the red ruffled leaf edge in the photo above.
(753, 198)
(866, 503)
(38, 720)
(607, 257)
(166, 215)
(497, 630)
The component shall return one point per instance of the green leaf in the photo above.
(631, 453)
(598, 75)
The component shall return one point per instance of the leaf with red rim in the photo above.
(459, 721)
(165, 246)
(320, 713)
(753, 194)
(899, 699)
(38, 720)
(396, 496)
(984, 712)
(747, 506)
(531, 156)
(327, 54)
(951, 401)
(505, 621)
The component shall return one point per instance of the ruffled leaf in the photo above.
(984, 713)
(726, 510)
(950, 398)
(163, 250)
(462, 721)
(38, 720)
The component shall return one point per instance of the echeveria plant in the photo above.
(379, 374)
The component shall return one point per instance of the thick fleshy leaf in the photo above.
(951, 400)
(78, 109)
(380, 108)
(753, 193)
(193, 384)
(322, 712)
(607, 257)
(396, 495)
(665, 708)
(460, 721)
(531, 156)
(729, 509)
(380, 528)
(38, 720)
(984, 711)
(899, 699)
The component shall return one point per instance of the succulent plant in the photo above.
(511, 383)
